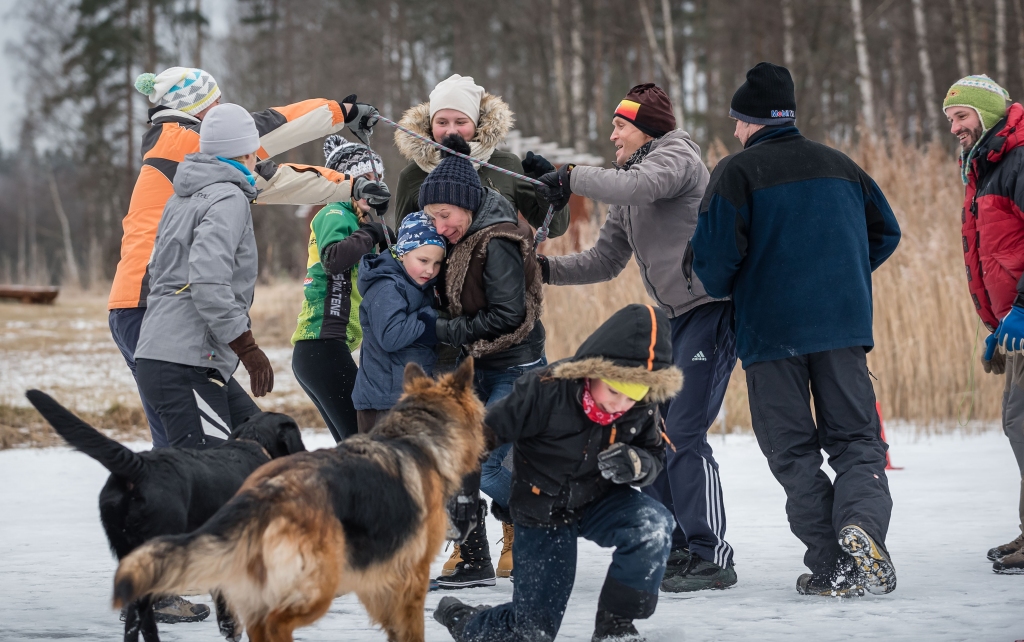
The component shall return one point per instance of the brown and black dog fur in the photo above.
(367, 517)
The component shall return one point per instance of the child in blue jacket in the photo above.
(397, 316)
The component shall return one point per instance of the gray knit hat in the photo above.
(228, 131)
(453, 181)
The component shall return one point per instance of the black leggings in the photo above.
(326, 371)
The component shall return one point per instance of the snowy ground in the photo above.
(956, 498)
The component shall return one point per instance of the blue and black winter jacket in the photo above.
(792, 230)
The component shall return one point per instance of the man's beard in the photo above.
(972, 141)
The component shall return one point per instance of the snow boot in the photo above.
(1012, 564)
(449, 566)
(171, 610)
(505, 561)
(475, 569)
(678, 560)
(871, 559)
(452, 614)
(699, 574)
(615, 628)
(994, 554)
(843, 581)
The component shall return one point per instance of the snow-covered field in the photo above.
(956, 498)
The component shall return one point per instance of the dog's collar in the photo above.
(253, 441)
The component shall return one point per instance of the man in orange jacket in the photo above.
(181, 98)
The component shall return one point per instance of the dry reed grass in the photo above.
(924, 324)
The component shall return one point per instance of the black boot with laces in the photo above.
(615, 628)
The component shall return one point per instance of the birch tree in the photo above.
(867, 102)
(1001, 41)
(666, 60)
(579, 103)
(559, 69)
(788, 24)
(931, 105)
(962, 63)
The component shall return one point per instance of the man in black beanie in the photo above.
(792, 230)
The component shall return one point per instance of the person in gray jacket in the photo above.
(202, 276)
(654, 193)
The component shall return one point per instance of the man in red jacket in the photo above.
(991, 132)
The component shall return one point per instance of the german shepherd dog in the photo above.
(367, 516)
(169, 491)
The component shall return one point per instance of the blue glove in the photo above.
(990, 346)
(993, 361)
(1010, 333)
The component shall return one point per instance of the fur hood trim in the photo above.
(496, 120)
(664, 383)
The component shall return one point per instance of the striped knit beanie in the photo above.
(983, 95)
(453, 181)
(180, 88)
(354, 159)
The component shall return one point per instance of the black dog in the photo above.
(170, 490)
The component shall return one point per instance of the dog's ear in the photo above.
(413, 371)
(463, 377)
(290, 437)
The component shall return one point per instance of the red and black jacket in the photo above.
(993, 220)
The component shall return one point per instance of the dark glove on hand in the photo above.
(361, 119)
(993, 361)
(556, 189)
(376, 193)
(429, 335)
(465, 510)
(256, 363)
(376, 230)
(535, 165)
(545, 268)
(623, 464)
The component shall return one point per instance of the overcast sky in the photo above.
(11, 107)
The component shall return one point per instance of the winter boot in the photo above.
(505, 561)
(171, 610)
(843, 581)
(615, 628)
(449, 566)
(452, 614)
(1012, 564)
(475, 569)
(871, 559)
(678, 560)
(994, 554)
(699, 574)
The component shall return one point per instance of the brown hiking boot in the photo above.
(505, 561)
(171, 610)
(1012, 564)
(449, 566)
(998, 552)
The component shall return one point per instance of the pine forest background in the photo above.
(870, 76)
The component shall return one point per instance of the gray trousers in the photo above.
(1013, 415)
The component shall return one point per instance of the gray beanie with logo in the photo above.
(229, 131)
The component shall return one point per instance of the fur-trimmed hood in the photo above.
(664, 384)
(496, 120)
(633, 346)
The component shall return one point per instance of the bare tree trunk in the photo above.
(788, 22)
(1019, 11)
(22, 243)
(867, 103)
(129, 93)
(962, 62)
(666, 60)
(199, 34)
(151, 36)
(897, 82)
(931, 105)
(579, 105)
(1001, 41)
(563, 96)
(599, 96)
(71, 265)
(976, 57)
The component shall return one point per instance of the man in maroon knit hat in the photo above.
(655, 192)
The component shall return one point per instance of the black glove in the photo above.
(465, 510)
(429, 335)
(535, 165)
(624, 464)
(361, 118)
(376, 231)
(376, 193)
(545, 268)
(556, 188)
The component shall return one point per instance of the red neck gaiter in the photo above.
(594, 413)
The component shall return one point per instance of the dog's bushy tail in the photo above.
(116, 458)
(206, 558)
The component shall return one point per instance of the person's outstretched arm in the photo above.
(603, 262)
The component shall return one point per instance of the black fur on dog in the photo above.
(168, 491)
